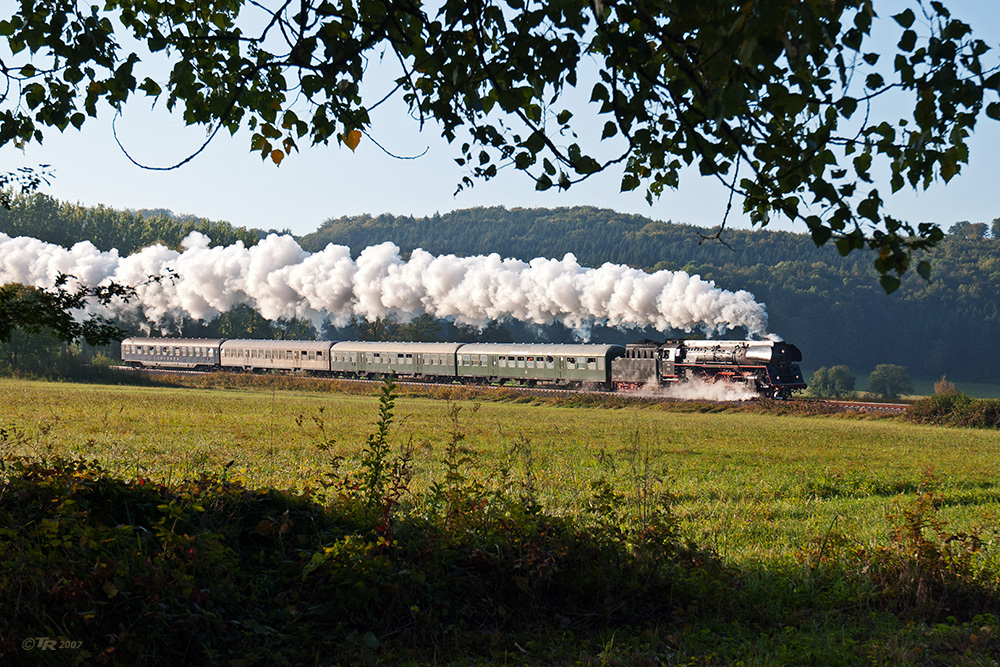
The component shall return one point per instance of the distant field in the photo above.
(753, 486)
(925, 386)
(976, 389)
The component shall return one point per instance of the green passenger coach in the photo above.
(417, 360)
(538, 363)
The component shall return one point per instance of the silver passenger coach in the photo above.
(171, 352)
(287, 355)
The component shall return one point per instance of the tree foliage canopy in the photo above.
(36, 310)
(836, 381)
(791, 103)
(890, 381)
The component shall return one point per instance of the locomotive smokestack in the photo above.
(280, 279)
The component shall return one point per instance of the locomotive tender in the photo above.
(765, 367)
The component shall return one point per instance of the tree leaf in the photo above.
(889, 283)
(352, 139)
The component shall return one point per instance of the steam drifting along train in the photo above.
(766, 367)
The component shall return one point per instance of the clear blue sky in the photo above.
(226, 182)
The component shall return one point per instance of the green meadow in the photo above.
(750, 485)
(253, 521)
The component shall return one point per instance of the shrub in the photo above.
(945, 387)
(955, 410)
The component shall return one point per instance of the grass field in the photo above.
(753, 487)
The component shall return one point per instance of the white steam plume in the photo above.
(280, 279)
(696, 389)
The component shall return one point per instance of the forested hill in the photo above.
(42, 217)
(831, 306)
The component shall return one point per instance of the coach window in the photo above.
(319, 354)
(592, 363)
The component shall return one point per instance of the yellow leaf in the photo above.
(277, 156)
(352, 139)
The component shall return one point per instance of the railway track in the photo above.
(858, 406)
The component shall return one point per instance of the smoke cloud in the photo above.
(280, 279)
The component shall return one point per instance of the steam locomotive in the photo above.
(766, 367)
(769, 368)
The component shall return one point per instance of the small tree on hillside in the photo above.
(837, 381)
(889, 381)
(819, 384)
(842, 381)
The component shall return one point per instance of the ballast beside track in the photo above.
(558, 392)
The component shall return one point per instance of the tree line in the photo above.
(47, 219)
